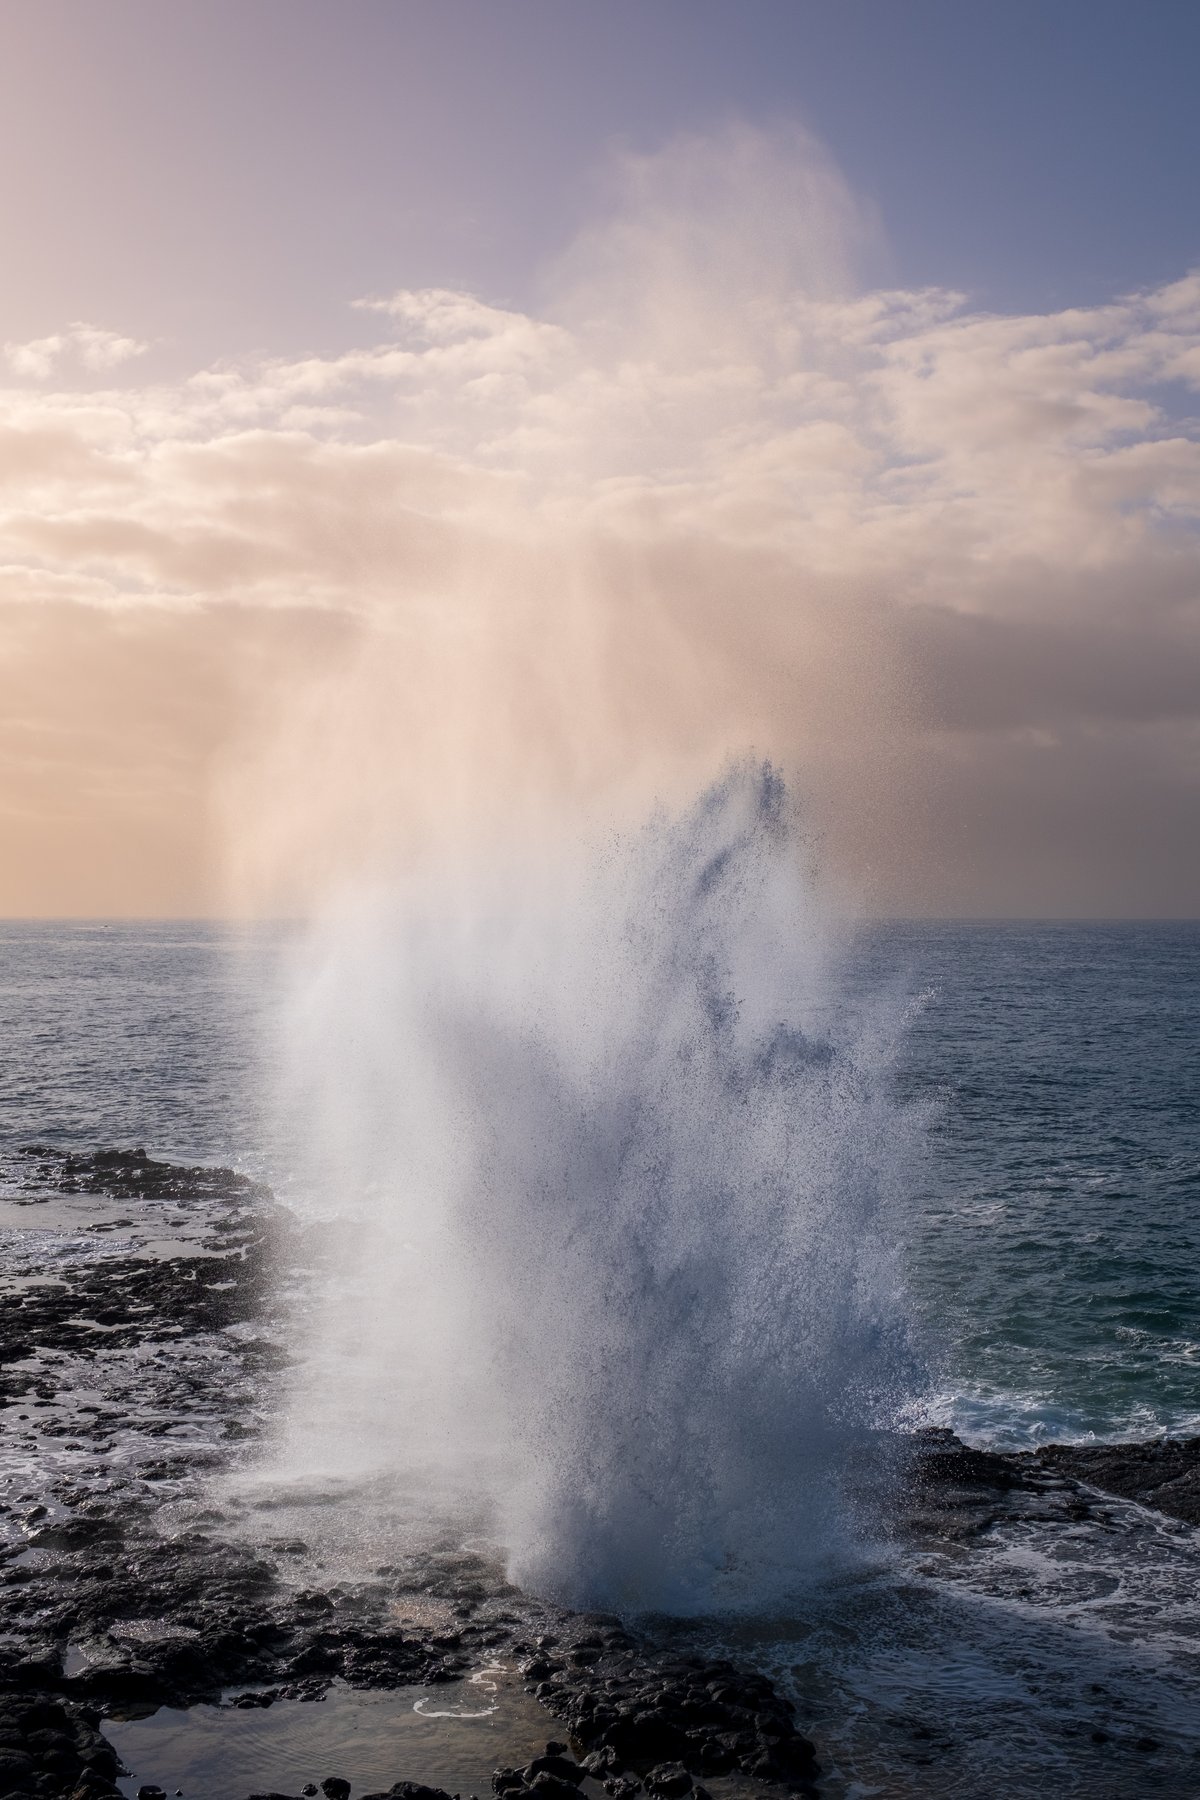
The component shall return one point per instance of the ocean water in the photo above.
(1051, 1240)
(124, 1034)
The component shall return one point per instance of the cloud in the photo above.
(89, 345)
(719, 490)
(35, 358)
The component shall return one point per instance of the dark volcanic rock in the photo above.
(121, 1302)
(946, 1462)
(549, 1787)
(409, 1790)
(1163, 1474)
(155, 1616)
(636, 1710)
(50, 1746)
(950, 1477)
(555, 1763)
(668, 1782)
(160, 1618)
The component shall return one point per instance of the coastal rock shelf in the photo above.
(139, 1357)
(137, 1352)
(664, 1718)
(1163, 1474)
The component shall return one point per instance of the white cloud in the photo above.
(89, 345)
(35, 358)
(99, 349)
(890, 429)
(715, 494)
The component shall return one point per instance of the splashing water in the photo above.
(611, 1154)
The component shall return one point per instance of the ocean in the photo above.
(1051, 1244)
(1049, 1240)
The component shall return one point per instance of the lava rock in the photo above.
(668, 1781)
(549, 1787)
(229, 1618)
(409, 1790)
(647, 1737)
(563, 1768)
(91, 1786)
(1163, 1474)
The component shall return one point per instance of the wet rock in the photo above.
(633, 1712)
(92, 1787)
(1163, 1474)
(563, 1768)
(549, 1787)
(410, 1790)
(668, 1781)
(541, 1668)
(708, 1755)
(334, 1788)
(647, 1737)
(314, 1603)
(945, 1466)
(173, 1620)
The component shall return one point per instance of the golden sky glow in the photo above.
(281, 618)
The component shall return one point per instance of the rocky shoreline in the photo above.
(1163, 1474)
(127, 1375)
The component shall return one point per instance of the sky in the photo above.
(419, 417)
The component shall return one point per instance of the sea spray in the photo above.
(609, 1147)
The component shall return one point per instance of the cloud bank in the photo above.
(718, 490)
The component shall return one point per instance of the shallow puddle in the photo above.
(451, 1736)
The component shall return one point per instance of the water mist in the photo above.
(609, 1150)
